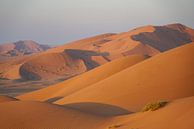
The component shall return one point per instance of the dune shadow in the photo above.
(98, 108)
(27, 75)
(51, 100)
(86, 56)
(164, 38)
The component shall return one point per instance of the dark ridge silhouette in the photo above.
(86, 55)
(27, 74)
(164, 37)
(98, 108)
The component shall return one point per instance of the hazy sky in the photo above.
(60, 21)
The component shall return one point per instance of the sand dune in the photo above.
(30, 115)
(51, 65)
(166, 37)
(121, 73)
(36, 115)
(176, 115)
(167, 76)
(75, 84)
(147, 40)
(9, 68)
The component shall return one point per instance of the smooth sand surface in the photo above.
(167, 76)
(177, 114)
(111, 95)
(77, 83)
(36, 115)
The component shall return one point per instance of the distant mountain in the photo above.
(24, 47)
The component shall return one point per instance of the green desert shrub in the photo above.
(154, 106)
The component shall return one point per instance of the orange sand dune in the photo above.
(6, 99)
(52, 65)
(114, 44)
(167, 76)
(178, 114)
(147, 40)
(36, 115)
(75, 84)
(9, 68)
(86, 44)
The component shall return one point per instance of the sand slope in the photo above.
(30, 115)
(36, 115)
(178, 114)
(77, 83)
(51, 65)
(9, 68)
(166, 76)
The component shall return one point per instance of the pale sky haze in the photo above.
(58, 21)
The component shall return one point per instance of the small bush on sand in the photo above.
(114, 126)
(154, 106)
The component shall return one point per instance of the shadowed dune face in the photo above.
(51, 65)
(67, 64)
(86, 56)
(165, 37)
(98, 108)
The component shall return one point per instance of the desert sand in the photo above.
(30, 115)
(167, 76)
(82, 81)
(98, 50)
(103, 82)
